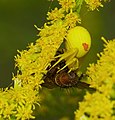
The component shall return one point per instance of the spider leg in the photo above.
(69, 56)
(73, 60)
(73, 65)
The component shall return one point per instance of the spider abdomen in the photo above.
(78, 37)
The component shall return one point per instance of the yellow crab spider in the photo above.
(77, 44)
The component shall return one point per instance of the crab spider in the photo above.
(77, 44)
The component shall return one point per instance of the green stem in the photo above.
(78, 5)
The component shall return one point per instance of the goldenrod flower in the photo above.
(67, 4)
(102, 74)
(95, 106)
(24, 112)
(18, 103)
(55, 14)
(99, 105)
(72, 19)
(94, 4)
(33, 62)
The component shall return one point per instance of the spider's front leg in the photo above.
(73, 64)
(70, 58)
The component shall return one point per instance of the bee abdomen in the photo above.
(64, 79)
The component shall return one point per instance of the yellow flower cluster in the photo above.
(67, 4)
(100, 105)
(94, 4)
(71, 19)
(55, 14)
(67, 14)
(95, 106)
(17, 103)
(102, 74)
(33, 62)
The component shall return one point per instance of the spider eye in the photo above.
(78, 37)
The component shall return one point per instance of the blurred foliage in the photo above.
(17, 19)
(59, 104)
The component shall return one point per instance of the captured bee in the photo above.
(62, 79)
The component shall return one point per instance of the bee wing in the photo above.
(83, 85)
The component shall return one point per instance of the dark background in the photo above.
(17, 19)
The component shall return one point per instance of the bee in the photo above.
(62, 79)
